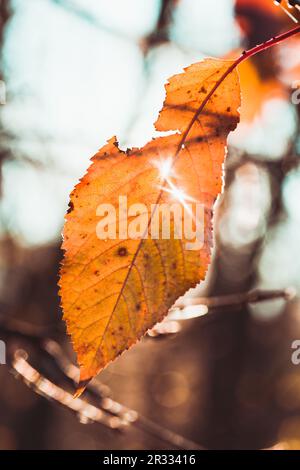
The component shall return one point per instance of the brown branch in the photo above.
(32, 332)
(211, 305)
(239, 299)
(105, 411)
(108, 413)
(126, 415)
(44, 387)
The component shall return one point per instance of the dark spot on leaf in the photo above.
(122, 251)
(71, 207)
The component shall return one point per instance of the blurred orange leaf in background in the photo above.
(114, 290)
(256, 90)
(262, 77)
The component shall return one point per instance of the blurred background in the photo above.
(75, 72)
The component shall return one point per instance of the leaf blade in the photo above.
(137, 281)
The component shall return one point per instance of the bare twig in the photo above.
(102, 410)
(239, 299)
(37, 382)
(108, 412)
(126, 415)
(195, 307)
(34, 332)
(105, 410)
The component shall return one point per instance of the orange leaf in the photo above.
(114, 290)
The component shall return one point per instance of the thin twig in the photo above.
(239, 299)
(34, 332)
(127, 415)
(106, 412)
(44, 387)
(110, 414)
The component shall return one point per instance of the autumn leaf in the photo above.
(114, 290)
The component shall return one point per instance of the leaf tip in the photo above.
(81, 388)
